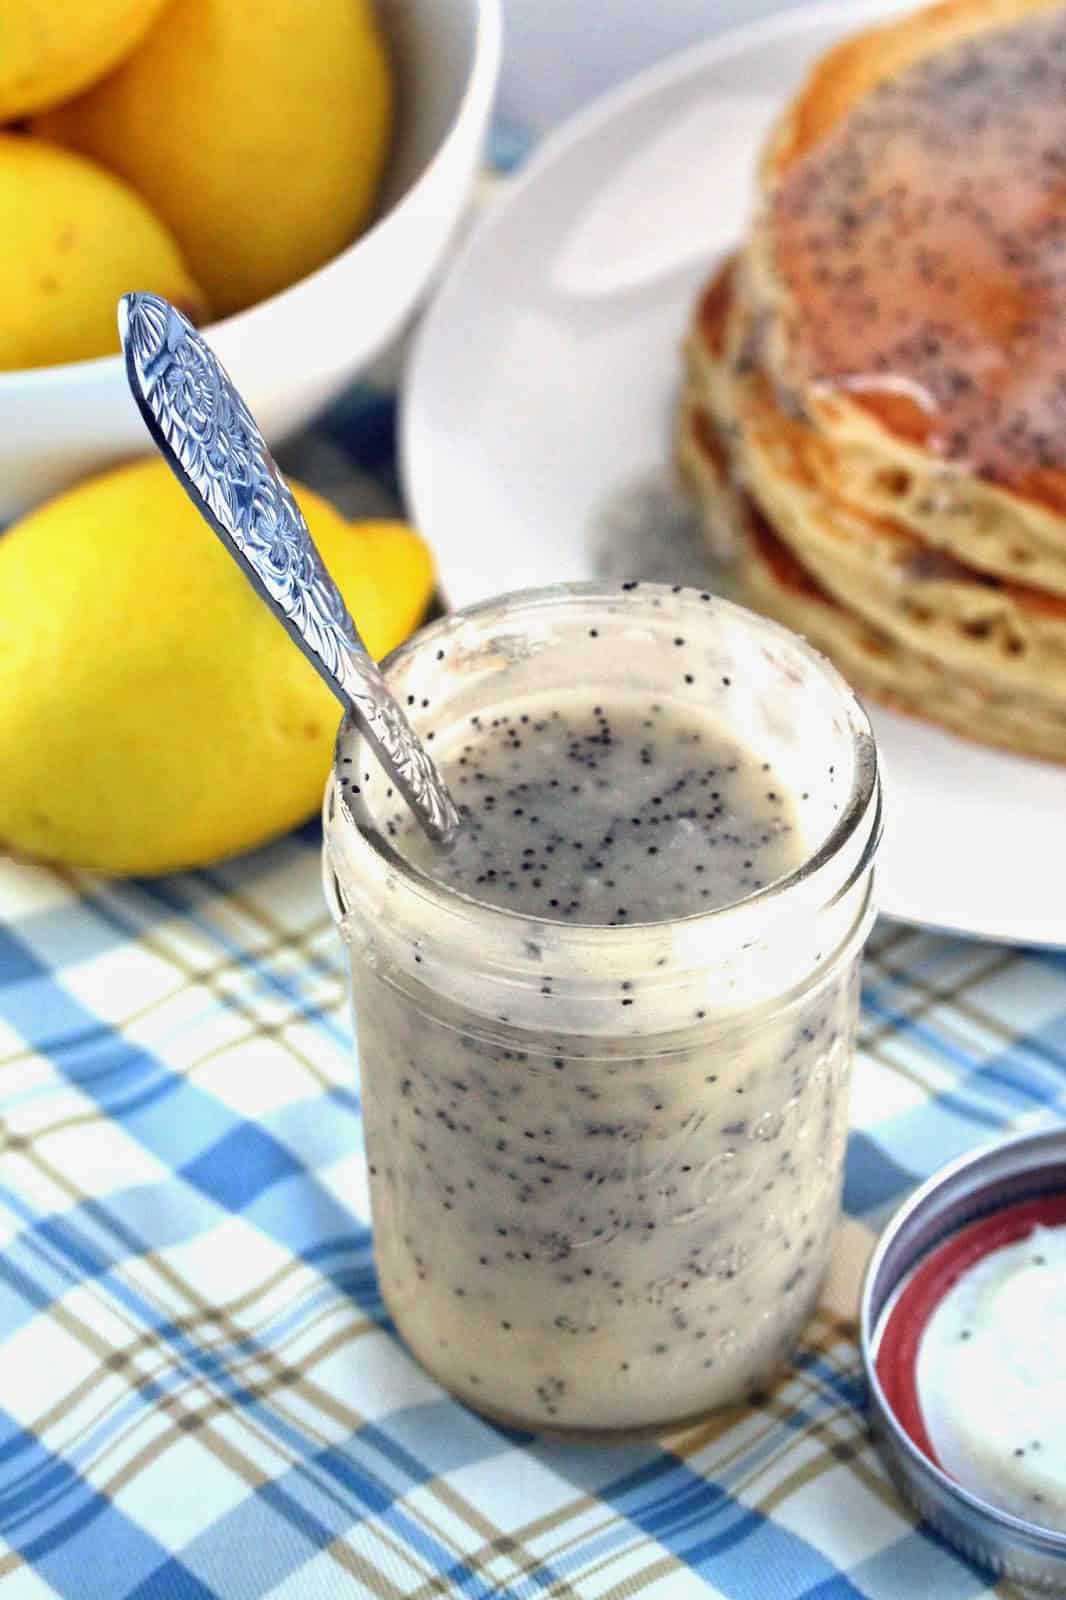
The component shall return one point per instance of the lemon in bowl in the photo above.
(293, 351)
(52, 49)
(82, 234)
(256, 129)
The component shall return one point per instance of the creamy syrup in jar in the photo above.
(576, 1230)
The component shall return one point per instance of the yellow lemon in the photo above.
(75, 238)
(153, 713)
(256, 128)
(51, 49)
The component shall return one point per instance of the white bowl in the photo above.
(292, 353)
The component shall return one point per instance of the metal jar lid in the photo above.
(977, 1186)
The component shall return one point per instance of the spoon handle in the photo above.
(208, 437)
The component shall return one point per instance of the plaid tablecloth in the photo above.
(201, 1395)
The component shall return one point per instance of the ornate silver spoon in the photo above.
(209, 439)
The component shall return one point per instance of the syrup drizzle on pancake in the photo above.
(923, 243)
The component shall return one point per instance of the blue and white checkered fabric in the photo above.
(200, 1393)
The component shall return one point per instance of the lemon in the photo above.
(153, 713)
(75, 238)
(256, 128)
(52, 49)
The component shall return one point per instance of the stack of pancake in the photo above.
(875, 403)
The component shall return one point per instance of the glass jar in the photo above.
(591, 1216)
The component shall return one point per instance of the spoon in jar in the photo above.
(209, 439)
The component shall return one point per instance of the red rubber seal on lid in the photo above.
(897, 1353)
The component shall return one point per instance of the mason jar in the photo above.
(605, 1160)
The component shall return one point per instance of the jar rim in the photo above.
(865, 794)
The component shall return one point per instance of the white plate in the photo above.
(542, 384)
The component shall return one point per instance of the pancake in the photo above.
(904, 278)
(1011, 636)
(772, 580)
